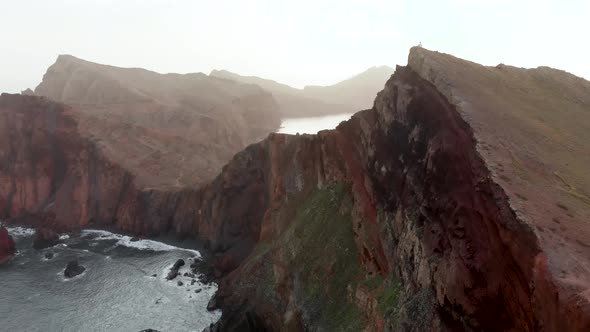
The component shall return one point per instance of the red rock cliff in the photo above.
(6, 245)
(444, 207)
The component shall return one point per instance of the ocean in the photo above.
(117, 292)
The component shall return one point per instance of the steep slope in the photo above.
(405, 217)
(169, 130)
(348, 96)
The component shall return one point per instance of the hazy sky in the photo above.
(296, 42)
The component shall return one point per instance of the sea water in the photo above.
(117, 292)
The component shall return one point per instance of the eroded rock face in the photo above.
(439, 239)
(51, 176)
(7, 247)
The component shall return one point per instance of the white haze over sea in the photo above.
(312, 125)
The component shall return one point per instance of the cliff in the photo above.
(7, 248)
(169, 130)
(458, 202)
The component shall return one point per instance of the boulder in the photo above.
(73, 269)
(45, 238)
(174, 269)
(49, 255)
(212, 305)
(212, 328)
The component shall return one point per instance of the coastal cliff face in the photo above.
(410, 216)
(7, 248)
(53, 176)
(50, 172)
(441, 208)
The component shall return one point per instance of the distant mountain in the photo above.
(358, 91)
(168, 129)
(264, 83)
(351, 95)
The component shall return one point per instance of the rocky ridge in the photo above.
(349, 96)
(169, 130)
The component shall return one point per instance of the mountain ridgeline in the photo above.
(459, 201)
(170, 130)
(348, 96)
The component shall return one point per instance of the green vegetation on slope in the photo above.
(320, 251)
(324, 258)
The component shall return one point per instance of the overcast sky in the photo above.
(295, 42)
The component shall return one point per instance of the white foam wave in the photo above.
(123, 240)
(64, 237)
(17, 231)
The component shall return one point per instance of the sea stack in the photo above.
(73, 269)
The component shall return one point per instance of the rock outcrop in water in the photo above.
(174, 269)
(7, 247)
(45, 238)
(73, 269)
(458, 202)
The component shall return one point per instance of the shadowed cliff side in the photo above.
(7, 248)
